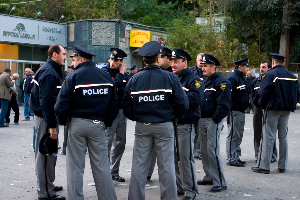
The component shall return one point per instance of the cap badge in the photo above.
(203, 59)
(115, 52)
(173, 53)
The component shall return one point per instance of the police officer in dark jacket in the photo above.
(166, 54)
(153, 98)
(116, 134)
(257, 111)
(185, 167)
(43, 96)
(216, 106)
(197, 68)
(88, 98)
(236, 117)
(278, 96)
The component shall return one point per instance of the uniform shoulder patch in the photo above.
(198, 83)
(222, 86)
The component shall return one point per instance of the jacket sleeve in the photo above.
(113, 110)
(128, 102)
(47, 98)
(223, 98)
(195, 94)
(8, 82)
(63, 101)
(265, 91)
(254, 94)
(180, 99)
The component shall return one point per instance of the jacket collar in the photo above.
(239, 73)
(56, 67)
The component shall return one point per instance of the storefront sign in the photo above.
(30, 31)
(139, 38)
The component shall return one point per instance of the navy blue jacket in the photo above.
(239, 91)
(279, 90)
(217, 98)
(87, 93)
(120, 81)
(44, 91)
(254, 87)
(196, 70)
(194, 89)
(154, 95)
(28, 84)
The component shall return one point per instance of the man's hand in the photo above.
(13, 81)
(123, 68)
(15, 93)
(53, 133)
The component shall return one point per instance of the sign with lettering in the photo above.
(139, 38)
(31, 31)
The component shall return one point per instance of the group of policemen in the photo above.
(170, 102)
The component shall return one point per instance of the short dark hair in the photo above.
(149, 60)
(54, 48)
(7, 70)
(269, 63)
(278, 61)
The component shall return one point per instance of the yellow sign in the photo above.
(139, 38)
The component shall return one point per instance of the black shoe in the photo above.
(240, 161)
(218, 188)
(188, 198)
(180, 193)
(58, 188)
(148, 178)
(201, 182)
(273, 160)
(236, 164)
(281, 170)
(4, 125)
(55, 197)
(118, 178)
(259, 170)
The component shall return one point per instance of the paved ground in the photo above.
(18, 180)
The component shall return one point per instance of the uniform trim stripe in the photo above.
(58, 87)
(240, 87)
(93, 85)
(256, 88)
(285, 79)
(212, 89)
(151, 91)
(35, 82)
(185, 89)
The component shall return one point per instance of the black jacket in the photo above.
(279, 90)
(193, 87)
(217, 98)
(255, 86)
(87, 93)
(120, 81)
(239, 91)
(28, 84)
(154, 95)
(47, 81)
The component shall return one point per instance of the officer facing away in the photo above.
(216, 106)
(88, 98)
(116, 134)
(153, 98)
(185, 163)
(278, 96)
(236, 117)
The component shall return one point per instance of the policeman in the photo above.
(198, 71)
(166, 54)
(185, 166)
(153, 98)
(88, 98)
(278, 96)
(236, 117)
(133, 71)
(116, 134)
(42, 100)
(258, 113)
(216, 106)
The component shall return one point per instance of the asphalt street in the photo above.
(18, 180)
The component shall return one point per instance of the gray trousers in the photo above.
(152, 163)
(185, 168)
(210, 148)
(257, 127)
(197, 147)
(83, 133)
(274, 120)
(43, 183)
(235, 124)
(116, 138)
(161, 137)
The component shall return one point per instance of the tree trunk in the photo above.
(285, 36)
